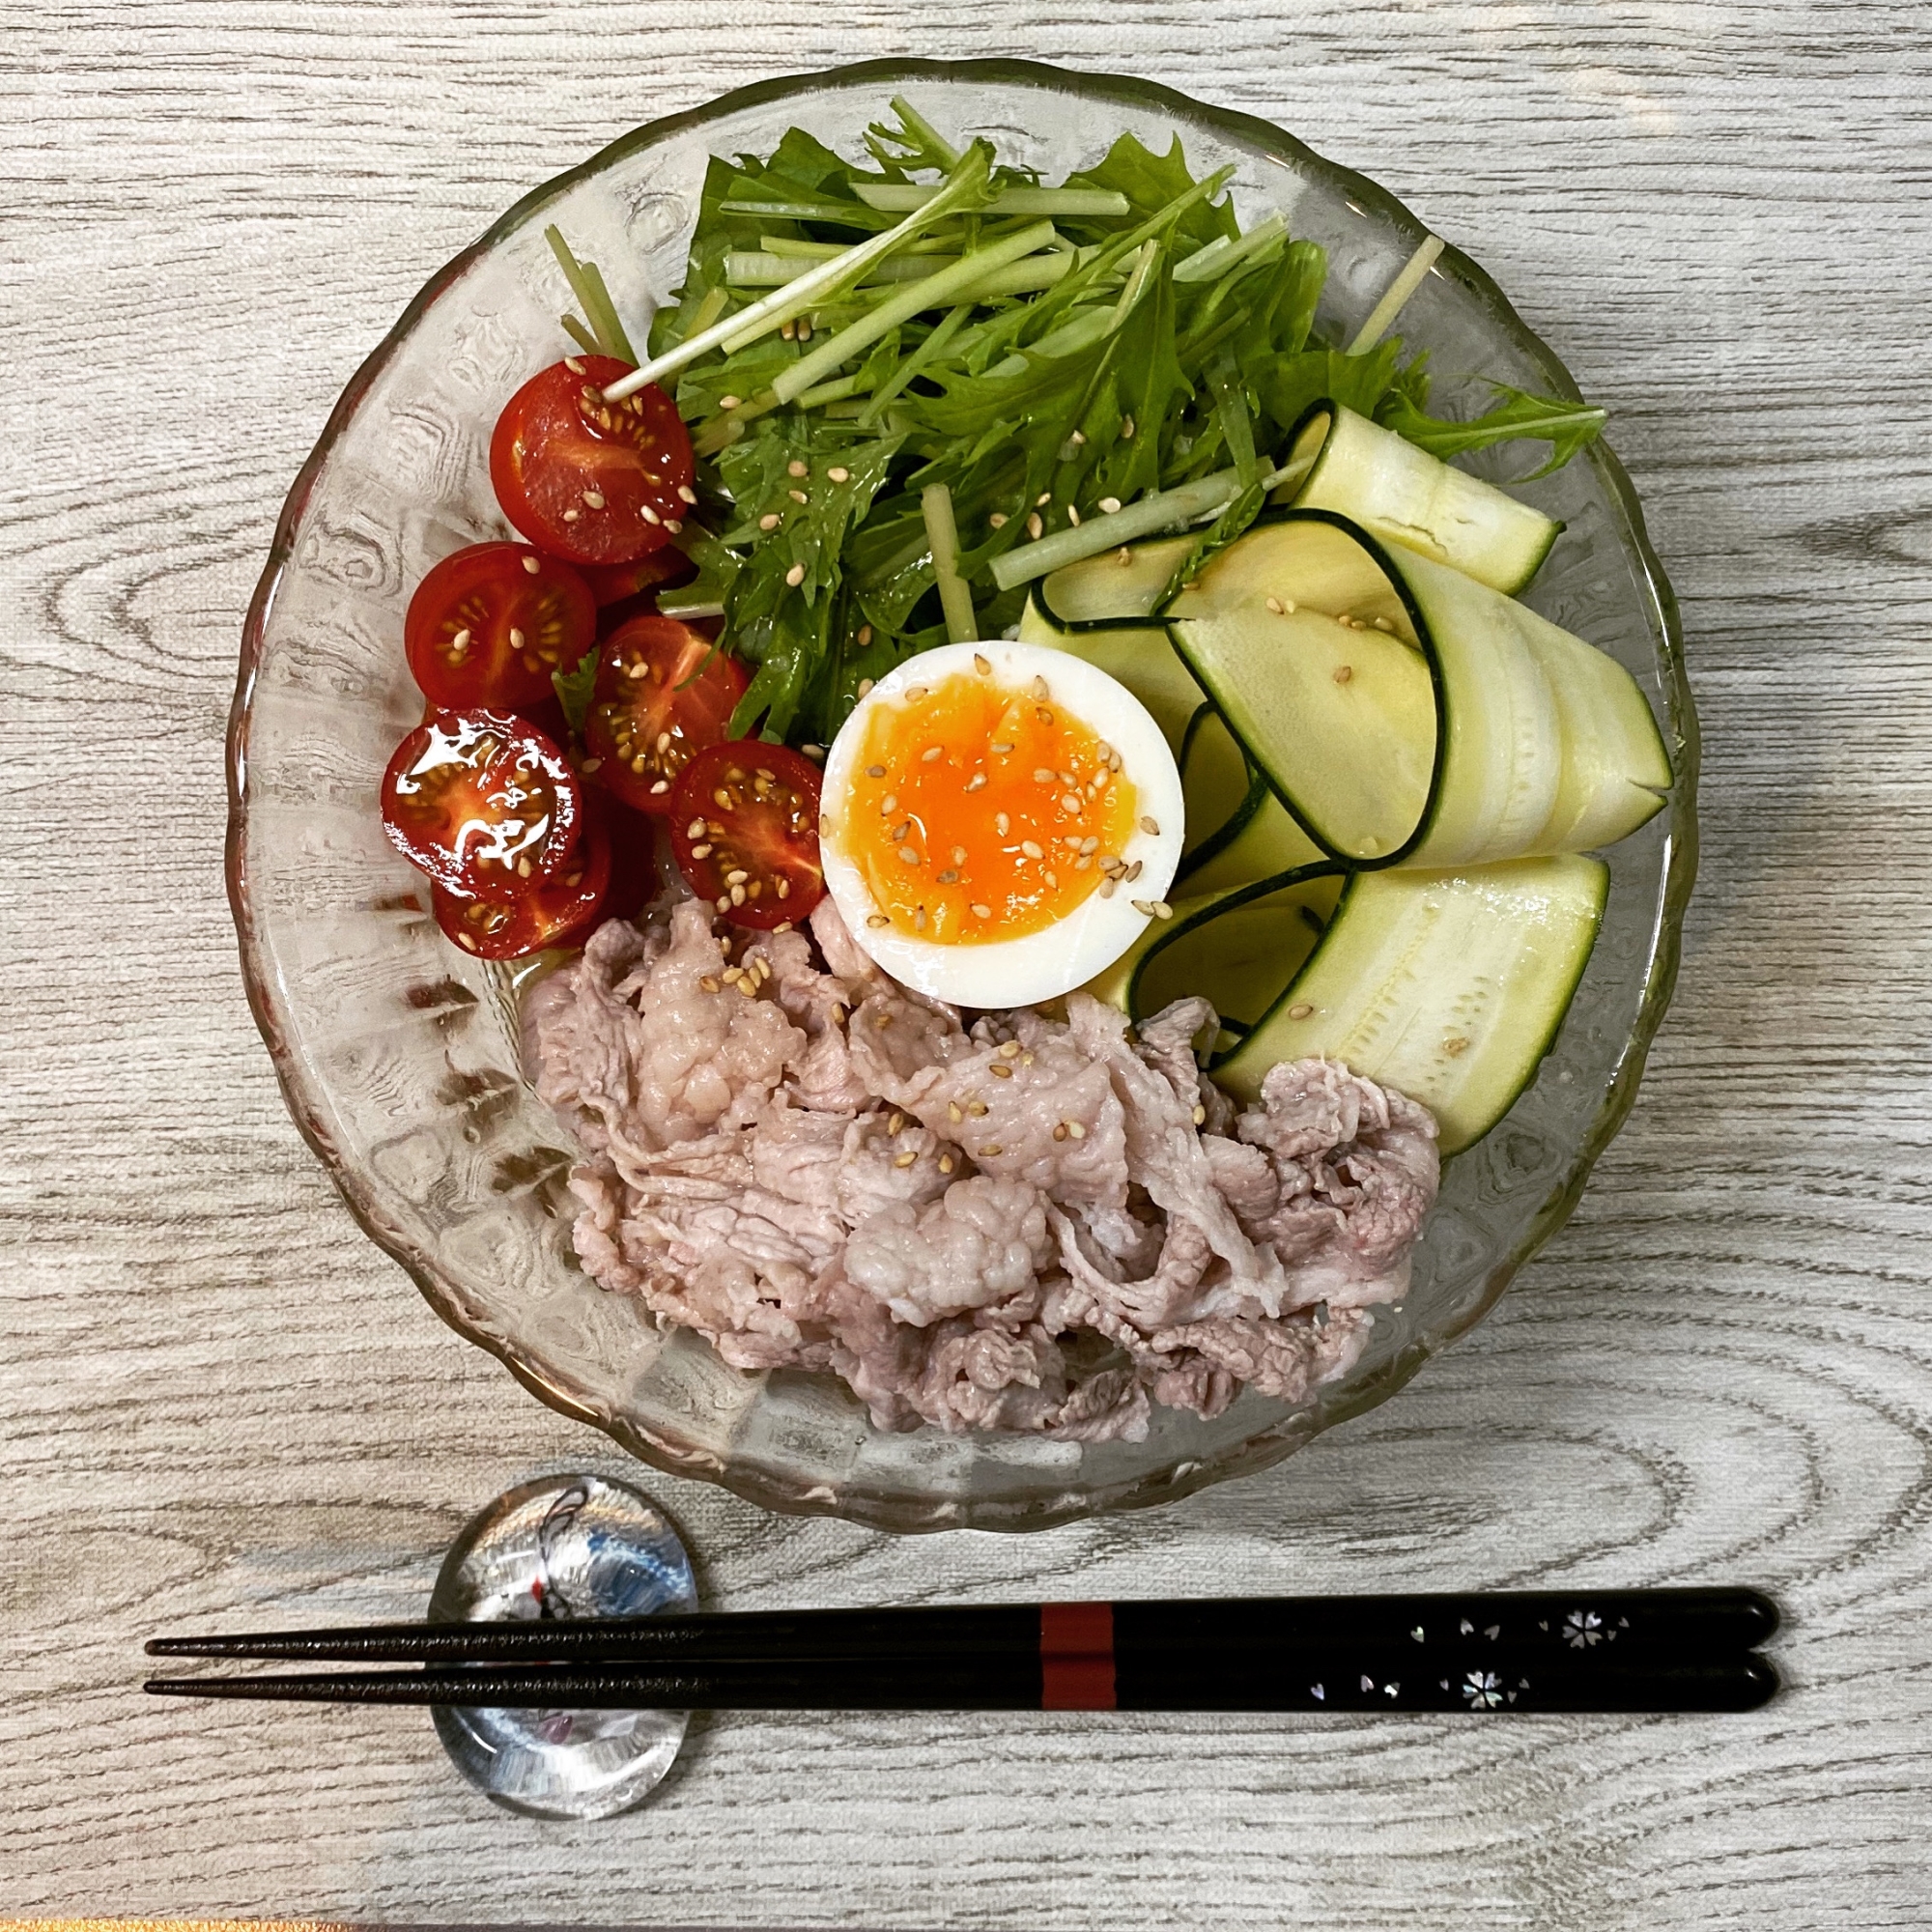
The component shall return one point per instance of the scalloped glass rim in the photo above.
(1351, 1398)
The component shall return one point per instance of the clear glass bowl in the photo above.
(399, 1057)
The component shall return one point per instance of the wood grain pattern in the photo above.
(218, 1404)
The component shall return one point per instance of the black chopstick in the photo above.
(1587, 1625)
(1358, 1681)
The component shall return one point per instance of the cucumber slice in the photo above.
(1221, 791)
(1238, 948)
(1101, 610)
(1405, 714)
(1407, 497)
(1262, 844)
(1448, 986)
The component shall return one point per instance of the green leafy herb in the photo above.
(574, 690)
(975, 376)
(1567, 427)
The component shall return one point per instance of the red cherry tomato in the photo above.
(483, 803)
(557, 911)
(653, 708)
(616, 582)
(488, 625)
(751, 809)
(591, 481)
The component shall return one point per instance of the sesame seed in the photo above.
(904, 1159)
(673, 525)
(1150, 826)
(1106, 889)
(1044, 774)
(1052, 878)
(816, 753)
(723, 903)
(915, 693)
(461, 640)
(983, 912)
(949, 877)
(1078, 439)
(1087, 846)
(783, 887)
(1344, 673)
(592, 765)
(875, 771)
(918, 920)
(1124, 554)
(723, 798)
(1044, 497)
(1000, 751)
(1109, 504)
(946, 1164)
(959, 855)
(839, 474)
(531, 565)
(1142, 907)
(896, 1123)
(696, 829)
(1009, 1050)
(997, 521)
(593, 499)
(981, 664)
(1070, 801)
(731, 402)
(1299, 1011)
(575, 367)
(1126, 428)
(1081, 864)
(875, 920)
(795, 467)
(931, 753)
(889, 805)
(737, 895)
(1040, 691)
(865, 683)
(1075, 1131)
(701, 851)
(768, 520)
(748, 988)
(953, 1112)
(733, 975)
(798, 495)
(884, 1020)
(838, 1014)
(901, 832)
(1002, 824)
(664, 740)
(1274, 604)
(825, 825)
(977, 1108)
(865, 639)
(709, 982)
(1073, 515)
(784, 924)
(736, 877)
(908, 855)
(795, 575)
(1162, 910)
(1045, 716)
(991, 1150)
(649, 515)
(1034, 528)
(1383, 624)
(662, 787)
(1133, 872)
(1288, 607)
(686, 494)
(1200, 1116)
(1032, 850)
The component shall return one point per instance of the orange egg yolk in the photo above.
(979, 812)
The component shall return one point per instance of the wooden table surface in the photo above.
(220, 1404)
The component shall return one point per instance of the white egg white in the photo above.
(1037, 965)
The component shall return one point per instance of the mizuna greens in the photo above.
(1006, 359)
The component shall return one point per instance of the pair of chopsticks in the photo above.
(1618, 1651)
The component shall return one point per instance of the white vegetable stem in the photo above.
(964, 189)
(942, 535)
(1395, 295)
(752, 268)
(969, 276)
(894, 197)
(1165, 510)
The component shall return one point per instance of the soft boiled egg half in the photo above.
(1001, 822)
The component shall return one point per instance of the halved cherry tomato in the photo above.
(482, 802)
(591, 481)
(652, 708)
(616, 582)
(488, 625)
(557, 911)
(745, 831)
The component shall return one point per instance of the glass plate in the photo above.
(399, 1057)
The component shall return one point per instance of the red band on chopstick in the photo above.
(1076, 1657)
